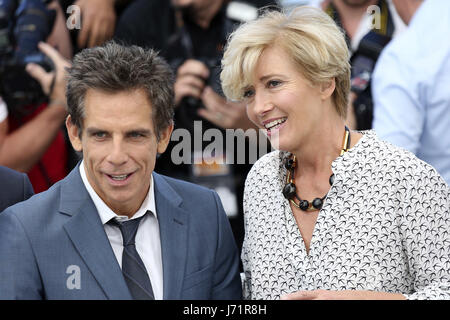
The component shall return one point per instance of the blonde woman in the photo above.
(334, 214)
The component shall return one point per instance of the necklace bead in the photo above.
(303, 204)
(289, 164)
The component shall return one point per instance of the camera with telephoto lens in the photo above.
(23, 24)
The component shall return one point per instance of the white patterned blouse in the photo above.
(384, 226)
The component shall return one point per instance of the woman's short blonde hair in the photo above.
(313, 40)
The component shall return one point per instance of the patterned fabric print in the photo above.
(384, 226)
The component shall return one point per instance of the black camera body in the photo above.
(23, 24)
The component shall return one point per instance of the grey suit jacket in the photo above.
(54, 246)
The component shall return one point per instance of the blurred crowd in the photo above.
(400, 84)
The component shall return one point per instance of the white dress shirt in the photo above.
(148, 241)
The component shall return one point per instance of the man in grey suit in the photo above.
(113, 228)
(14, 187)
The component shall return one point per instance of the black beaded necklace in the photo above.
(290, 191)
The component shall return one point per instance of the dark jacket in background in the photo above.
(14, 187)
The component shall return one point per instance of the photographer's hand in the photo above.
(53, 83)
(98, 22)
(190, 80)
(223, 113)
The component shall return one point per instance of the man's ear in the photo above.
(327, 88)
(74, 134)
(164, 138)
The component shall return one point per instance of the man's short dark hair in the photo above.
(114, 68)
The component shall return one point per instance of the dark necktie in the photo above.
(133, 268)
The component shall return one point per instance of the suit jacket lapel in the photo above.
(173, 225)
(87, 233)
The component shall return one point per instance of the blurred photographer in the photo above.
(31, 136)
(191, 35)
